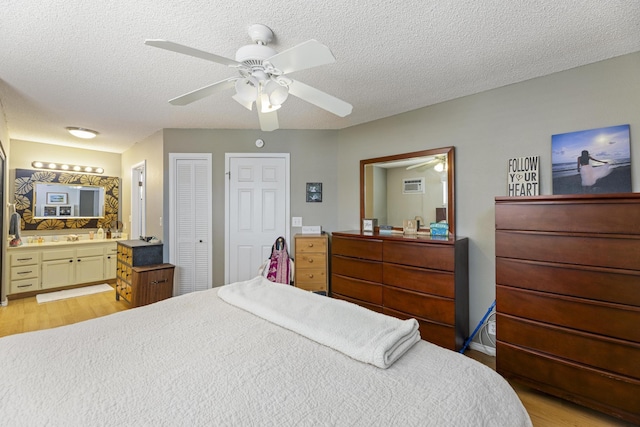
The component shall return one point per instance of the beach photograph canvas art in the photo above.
(592, 161)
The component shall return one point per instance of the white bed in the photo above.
(197, 360)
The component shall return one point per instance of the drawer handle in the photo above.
(310, 260)
(25, 272)
(310, 275)
(25, 259)
(25, 286)
(155, 282)
(310, 245)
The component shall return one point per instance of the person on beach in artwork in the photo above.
(590, 174)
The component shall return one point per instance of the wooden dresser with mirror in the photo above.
(406, 276)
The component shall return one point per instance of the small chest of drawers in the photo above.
(142, 278)
(311, 262)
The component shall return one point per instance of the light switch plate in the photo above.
(296, 221)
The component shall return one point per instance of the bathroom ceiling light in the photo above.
(82, 132)
(66, 167)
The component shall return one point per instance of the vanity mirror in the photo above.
(52, 200)
(418, 185)
(67, 201)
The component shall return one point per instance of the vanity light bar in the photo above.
(67, 167)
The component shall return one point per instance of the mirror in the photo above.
(58, 206)
(53, 200)
(409, 186)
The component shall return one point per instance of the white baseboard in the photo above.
(491, 351)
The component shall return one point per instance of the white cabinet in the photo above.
(89, 264)
(58, 268)
(63, 265)
(24, 271)
(110, 262)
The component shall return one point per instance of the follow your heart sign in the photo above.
(523, 177)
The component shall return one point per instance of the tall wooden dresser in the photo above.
(421, 277)
(311, 260)
(568, 297)
(141, 276)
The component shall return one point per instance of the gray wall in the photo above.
(313, 159)
(487, 129)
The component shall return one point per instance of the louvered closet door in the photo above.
(191, 245)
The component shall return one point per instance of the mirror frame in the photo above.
(449, 151)
(23, 199)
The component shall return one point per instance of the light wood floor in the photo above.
(26, 314)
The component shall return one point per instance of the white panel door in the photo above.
(190, 200)
(257, 211)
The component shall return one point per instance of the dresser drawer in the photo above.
(25, 258)
(359, 289)
(611, 320)
(310, 276)
(418, 279)
(603, 251)
(435, 256)
(588, 386)
(416, 304)
(370, 249)
(24, 285)
(603, 216)
(311, 260)
(617, 286)
(306, 244)
(436, 333)
(372, 307)
(25, 272)
(608, 354)
(357, 268)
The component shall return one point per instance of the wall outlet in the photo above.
(296, 221)
(491, 327)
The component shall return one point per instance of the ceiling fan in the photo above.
(262, 75)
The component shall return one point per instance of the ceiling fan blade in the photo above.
(320, 99)
(203, 92)
(300, 57)
(186, 50)
(268, 121)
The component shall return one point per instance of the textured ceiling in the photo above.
(84, 63)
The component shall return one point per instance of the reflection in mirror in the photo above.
(67, 201)
(416, 185)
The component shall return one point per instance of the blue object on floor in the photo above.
(475, 331)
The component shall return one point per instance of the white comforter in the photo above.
(196, 360)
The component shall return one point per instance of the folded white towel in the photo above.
(359, 333)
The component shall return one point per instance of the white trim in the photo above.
(491, 351)
(173, 157)
(140, 208)
(287, 225)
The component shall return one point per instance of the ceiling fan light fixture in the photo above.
(276, 92)
(267, 106)
(439, 167)
(82, 132)
(246, 90)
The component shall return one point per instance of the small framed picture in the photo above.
(50, 211)
(369, 224)
(56, 198)
(314, 192)
(64, 210)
